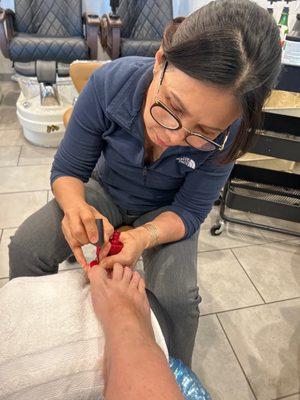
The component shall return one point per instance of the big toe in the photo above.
(97, 275)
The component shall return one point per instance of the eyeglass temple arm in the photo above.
(161, 77)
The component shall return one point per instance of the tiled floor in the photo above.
(248, 341)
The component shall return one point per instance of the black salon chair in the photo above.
(43, 37)
(134, 27)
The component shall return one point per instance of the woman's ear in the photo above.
(159, 60)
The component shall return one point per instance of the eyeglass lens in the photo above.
(165, 119)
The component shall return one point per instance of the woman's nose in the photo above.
(176, 138)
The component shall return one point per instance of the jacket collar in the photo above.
(125, 107)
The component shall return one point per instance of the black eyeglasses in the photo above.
(166, 118)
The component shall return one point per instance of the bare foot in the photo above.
(134, 365)
(121, 304)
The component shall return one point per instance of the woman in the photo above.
(162, 136)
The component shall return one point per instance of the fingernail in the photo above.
(93, 239)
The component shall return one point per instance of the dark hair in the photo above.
(234, 44)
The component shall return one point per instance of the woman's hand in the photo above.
(79, 228)
(135, 241)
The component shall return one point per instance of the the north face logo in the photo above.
(187, 161)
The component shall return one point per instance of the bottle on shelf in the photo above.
(283, 23)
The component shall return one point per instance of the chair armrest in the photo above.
(92, 23)
(110, 30)
(6, 30)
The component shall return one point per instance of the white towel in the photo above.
(51, 343)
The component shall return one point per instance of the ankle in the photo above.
(129, 336)
(130, 347)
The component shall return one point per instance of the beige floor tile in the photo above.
(266, 340)
(274, 268)
(223, 283)
(16, 207)
(50, 195)
(293, 397)
(278, 223)
(214, 215)
(5, 240)
(234, 235)
(9, 155)
(8, 118)
(10, 97)
(11, 137)
(211, 218)
(35, 155)
(3, 282)
(27, 178)
(216, 365)
(9, 85)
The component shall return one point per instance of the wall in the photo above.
(181, 7)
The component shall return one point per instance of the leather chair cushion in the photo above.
(49, 17)
(24, 47)
(144, 19)
(145, 48)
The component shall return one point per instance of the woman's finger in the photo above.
(90, 226)
(74, 245)
(68, 236)
(77, 229)
(78, 254)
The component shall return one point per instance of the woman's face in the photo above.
(200, 107)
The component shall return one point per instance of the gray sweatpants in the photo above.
(39, 246)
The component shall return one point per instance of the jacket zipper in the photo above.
(145, 174)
